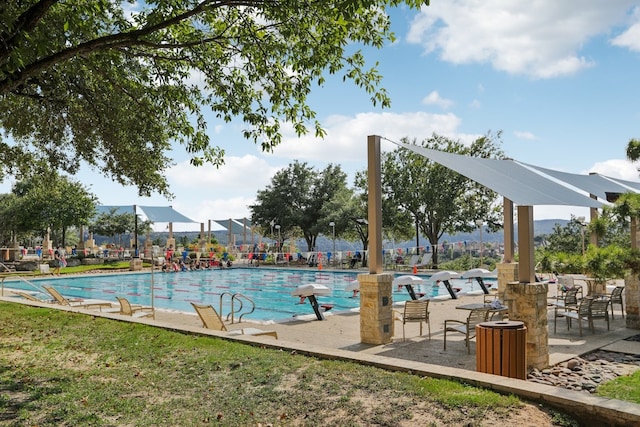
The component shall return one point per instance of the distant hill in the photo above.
(325, 243)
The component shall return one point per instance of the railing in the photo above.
(22, 279)
(237, 298)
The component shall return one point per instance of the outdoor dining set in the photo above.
(571, 304)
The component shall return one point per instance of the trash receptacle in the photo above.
(501, 348)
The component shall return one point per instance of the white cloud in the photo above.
(631, 37)
(524, 135)
(347, 135)
(434, 98)
(617, 168)
(537, 38)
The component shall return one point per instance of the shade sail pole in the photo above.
(374, 176)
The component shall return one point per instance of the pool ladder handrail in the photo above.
(238, 296)
(40, 290)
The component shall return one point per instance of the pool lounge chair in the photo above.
(28, 296)
(74, 302)
(211, 320)
(133, 310)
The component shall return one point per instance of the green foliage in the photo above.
(115, 83)
(56, 203)
(607, 262)
(298, 200)
(113, 224)
(436, 198)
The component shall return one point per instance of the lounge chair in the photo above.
(28, 296)
(74, 302)
(133, 310)
(425, 260)
(415, 311)
(211, 320)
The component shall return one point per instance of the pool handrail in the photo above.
(236, 297)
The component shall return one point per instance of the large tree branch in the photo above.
(112, 41)
(24, 24)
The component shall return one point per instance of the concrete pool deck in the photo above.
(338, 337)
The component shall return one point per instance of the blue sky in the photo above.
(559, 79)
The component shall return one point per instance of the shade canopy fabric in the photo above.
(153, 213)
(508, 178)
(595, 184)
(235, 225)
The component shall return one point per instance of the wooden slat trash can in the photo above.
(501, 348)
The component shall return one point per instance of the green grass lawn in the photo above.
(623, 388)
(67, 369)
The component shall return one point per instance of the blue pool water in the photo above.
(270, 289)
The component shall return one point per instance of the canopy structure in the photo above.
(509, 178)
(153, 213)
(234, 226)
(600, 186)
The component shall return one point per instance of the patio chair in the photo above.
(468, 327)
(580, 313)
(134, 310)
(565, 302)
(599, 309)
(616, 298)
(415, 311)
(211, 320)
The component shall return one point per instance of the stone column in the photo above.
(376, 316)
(528, 304)
(632, 300)
(507, 273)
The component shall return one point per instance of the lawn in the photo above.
(67, 369)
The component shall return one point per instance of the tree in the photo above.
(54, 204)
(633, 149)
(438, 199)
(295, 200)
(114, 85)
(113, 224)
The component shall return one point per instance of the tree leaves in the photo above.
(92, 81)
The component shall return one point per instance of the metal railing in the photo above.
(239, 299)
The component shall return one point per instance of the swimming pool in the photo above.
(270, 289)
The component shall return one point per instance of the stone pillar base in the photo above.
(376, 316)
(135, 264)
(632, 300)
(528, 304)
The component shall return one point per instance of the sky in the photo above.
(558, 79)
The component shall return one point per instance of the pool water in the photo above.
(270, 289)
